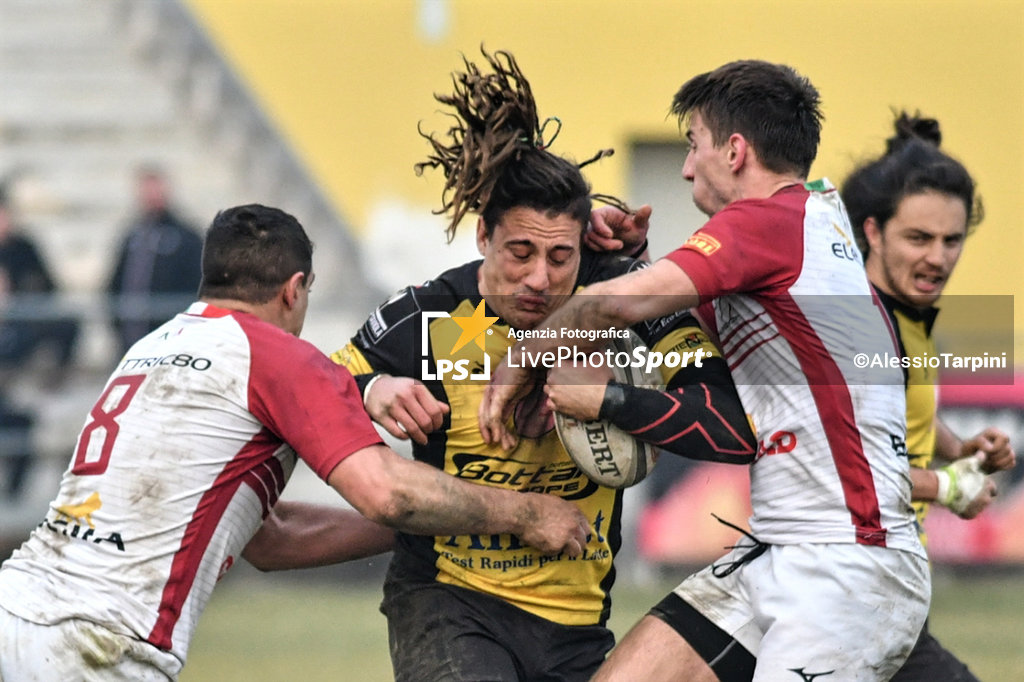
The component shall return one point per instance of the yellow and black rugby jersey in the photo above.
(913, 328)
(413, 334)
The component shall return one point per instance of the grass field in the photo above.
(310, 628)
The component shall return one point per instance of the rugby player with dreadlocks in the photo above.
(472, 607)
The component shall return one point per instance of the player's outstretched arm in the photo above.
(623, 301)
(699, 415)
(302, 535)
(416, 498)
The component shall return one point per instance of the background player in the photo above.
(472, 607)
(829, 491)
(911, 210)
(186, 451)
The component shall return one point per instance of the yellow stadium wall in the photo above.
(347, 81)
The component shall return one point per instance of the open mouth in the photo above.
(929, 284)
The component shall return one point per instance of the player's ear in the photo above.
(290, 289)
(873, 234)
(481, 236)
(737, 151)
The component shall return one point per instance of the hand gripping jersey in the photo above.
(792, 308)
(179, 461)
(393, 340)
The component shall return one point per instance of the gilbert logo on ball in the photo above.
(604, 452)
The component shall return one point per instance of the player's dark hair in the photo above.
(912, 164)
(771, 105)
(250, 251)
(495, 158)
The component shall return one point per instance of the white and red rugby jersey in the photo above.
(783, 284)
(178, 463)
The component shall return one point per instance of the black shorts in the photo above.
(930, 662)
(442, 632)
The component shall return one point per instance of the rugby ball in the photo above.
(605, 453)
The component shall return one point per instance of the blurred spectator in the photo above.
(15, 446)
(157, 271)
(29, 321)
(30, 318)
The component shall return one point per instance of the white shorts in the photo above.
(839, 611)
(77, 651)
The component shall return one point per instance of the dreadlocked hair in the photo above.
(495, 157)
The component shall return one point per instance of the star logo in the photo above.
(473, 327)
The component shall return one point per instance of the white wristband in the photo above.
(369, 385)
(942, 496)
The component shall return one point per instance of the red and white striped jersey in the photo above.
(179, 461)
(783, 285)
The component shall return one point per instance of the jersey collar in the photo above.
(201, 309)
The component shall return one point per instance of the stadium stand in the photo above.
(90, 90)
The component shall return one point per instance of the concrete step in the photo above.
(54, 21)
(80, 124)
(171, 148)
(70, 130)
(87, 53)
(110, 189)
(81, 83)
(32, 48)
(42, 110)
